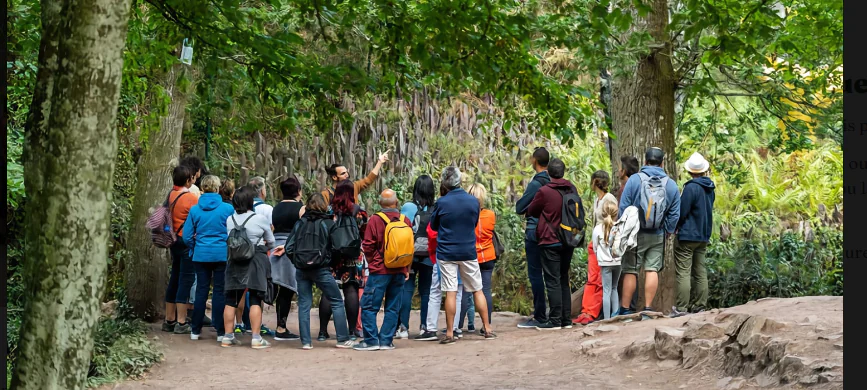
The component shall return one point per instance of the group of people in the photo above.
(254, 254)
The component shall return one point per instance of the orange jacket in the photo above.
(182, 208)
(485, 236)
(360, 186)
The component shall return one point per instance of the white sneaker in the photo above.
(194, 336)
(348, 344)
(219, 339)
(403, 334)
(307, 347)
(260, 344)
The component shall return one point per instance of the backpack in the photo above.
(653, 201)
(571, 229)
(398, 245)
(240, 248)
(307, 247)
(160, 224)
(345, 237)
(419, 226)
(498, 246)
(623, 235)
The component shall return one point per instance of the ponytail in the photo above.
(609, 214)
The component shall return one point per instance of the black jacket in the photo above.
(696, 210)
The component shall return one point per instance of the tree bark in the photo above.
(70, 150)
(642, 113)
(146, 272)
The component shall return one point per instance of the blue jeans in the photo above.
(182, 276)
(423, 273)
(205, 273)
(325, 281)
(377, 287)
(537, 283)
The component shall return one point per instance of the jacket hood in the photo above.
(210, 201)
(313, 215)
(560, 184)
(703, 181)
(653, 171)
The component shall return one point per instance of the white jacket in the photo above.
(624, 234)
(603, 250)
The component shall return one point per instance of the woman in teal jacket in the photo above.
(206, 236)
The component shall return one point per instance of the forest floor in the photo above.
(582, 357)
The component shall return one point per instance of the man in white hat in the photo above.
(693, 233)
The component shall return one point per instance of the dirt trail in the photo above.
(519, 359)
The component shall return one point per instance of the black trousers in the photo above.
(555, 270)
(283, 303)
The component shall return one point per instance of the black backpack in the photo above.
(345, 237)
(308, 244)
(571, 229)
(419, 227)
(240, 248)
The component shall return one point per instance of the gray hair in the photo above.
(385, 201)
(451, 177)
(258, 184)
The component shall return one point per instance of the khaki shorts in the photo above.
(648, 254)
(471, 277)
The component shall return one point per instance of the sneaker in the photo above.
(220, 338)
(260, 343)
(265, 331)
(676, 313)
(182, 328)
(362, 346)
(426, 336)
(402, 333)
(345, 344)
(489, 335)
(286, 336)
(566, 325)
(169, 326)
(421, 330)
(582, 319)
(625, 312)
(547, 326)
(457, 332)
(353, 337)
(194, 336)
(698, 309)
(471, 328)
(386, 347)
(306, 347)
(529, 324)
(448, 340)
(239, 329)
(322, 336)
(228, 342)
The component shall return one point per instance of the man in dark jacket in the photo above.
(693, 233)
(547, 205)
(539, 160)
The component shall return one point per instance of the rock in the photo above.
(766, 380)
(792, 368)
(831, 337)
(751, 326)
(109, 308)
(732, 363)
(752, 369)
(723, 382)
(839, 346)
(809, 380)
(776, 350)
(594, 347)
(696, 352)
(608, 329)
(667, 342)
(737, 321)
(827, 377)
(667, 363)
(757, 347)
(589, 332)
(639, 348)
(825, 366)
(702, 330)
(729, 383)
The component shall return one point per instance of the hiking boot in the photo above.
(286, 335)
(227, 342)
(322, 336)
(548, 326)
(426, 336)
(345, 344)
(529, 324)
(306, 347)
(386, 347)
(169, 326)
(363, 346)
(182, 328)
(260, 343)
(402, 333)
(448, 340)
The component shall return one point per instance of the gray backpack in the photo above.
(653, 201)
(240, 248)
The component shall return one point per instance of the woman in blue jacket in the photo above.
(206, 236)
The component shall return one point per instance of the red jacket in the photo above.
(372, 244)
(432, 244)
(547, 206)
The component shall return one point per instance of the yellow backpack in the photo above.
(398, 244)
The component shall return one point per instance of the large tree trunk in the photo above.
(146, 272)
(642, 113)
(70, 150)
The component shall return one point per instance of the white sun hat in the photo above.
(696, 163)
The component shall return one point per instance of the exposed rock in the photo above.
(729, 383)
(757, 347)
(752, 369)
(608, 329)
(776, 350)
(839, 346)
(792, 368)
(667, 342)
(667, 363)
(751, 326)
(642, 348)
(766, 379)
(827, 377)
(594, 347)
(732, 363)
(702, 330)
(698, 351)
(631, 317)
(831, 337)
(738, 320)
(589, 332)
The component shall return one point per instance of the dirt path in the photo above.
(519, 359)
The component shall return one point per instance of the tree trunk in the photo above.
(146, 272)
(70, 151)
(642, 113)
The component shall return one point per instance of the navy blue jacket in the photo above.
(205, 229)
(454, 218)
(523, 204)
(631, 196)
(696, 210)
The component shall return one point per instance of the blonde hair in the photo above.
(479, 192)
(210, 183)
(609, 215)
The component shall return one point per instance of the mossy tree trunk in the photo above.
(70, 150)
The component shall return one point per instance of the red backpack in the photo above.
(160, 223)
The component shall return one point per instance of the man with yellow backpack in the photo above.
(389, 246)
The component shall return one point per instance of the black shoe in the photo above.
(548, 326)
(698, 309)
(426, 336)
(322, 336)
(169, 326)
(286, 336)
(206, 321)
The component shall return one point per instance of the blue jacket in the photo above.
(454, 218)
(632, 197)
(205, 229)
(523, 204)
(696, 210)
